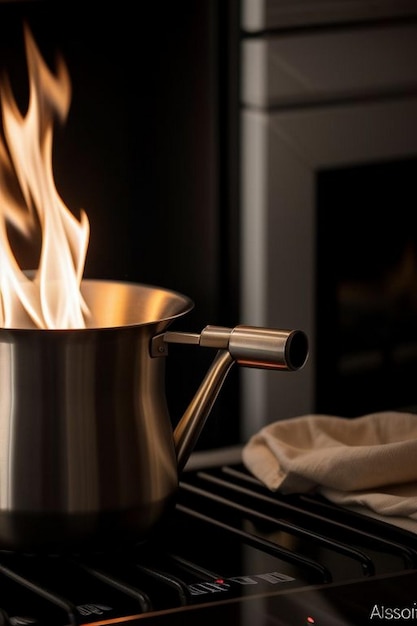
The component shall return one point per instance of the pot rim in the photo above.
(183, 305)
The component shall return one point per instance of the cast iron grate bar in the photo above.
(263, 544)
(146, 571)
(143, 599)
(378, 532)
(365, 561)
(166, 578)
(39, 590)
(85, 594)
(376, 526)
(194, 569)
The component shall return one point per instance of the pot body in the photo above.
(86, 446)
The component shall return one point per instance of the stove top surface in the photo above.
(231, 551)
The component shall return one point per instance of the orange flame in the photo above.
(49, 297)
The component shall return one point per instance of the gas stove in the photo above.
(233, 551)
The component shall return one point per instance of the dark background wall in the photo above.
(146, 152)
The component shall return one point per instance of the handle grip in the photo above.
(265, 348)
(252, 346)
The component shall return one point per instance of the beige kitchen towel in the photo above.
(366, 463)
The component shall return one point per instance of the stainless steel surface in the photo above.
(192, 422)
(87, 449)
(86, 443)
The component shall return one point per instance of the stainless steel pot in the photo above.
(87, 450)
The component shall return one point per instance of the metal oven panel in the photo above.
(312, 100)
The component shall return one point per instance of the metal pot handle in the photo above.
(251, 346)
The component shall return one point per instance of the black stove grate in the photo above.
(310, 517)
(228, 542)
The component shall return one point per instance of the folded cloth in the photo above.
(366, 463)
